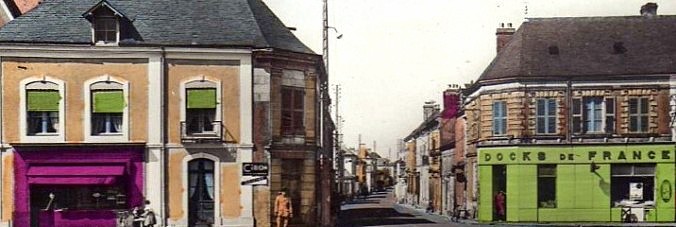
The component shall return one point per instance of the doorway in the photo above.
(201, 192)
(292, 170)
(499, 193)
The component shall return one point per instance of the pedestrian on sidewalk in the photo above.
(283, 209)
(500, 199)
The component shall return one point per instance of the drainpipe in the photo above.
(569, 102)
(164, 136)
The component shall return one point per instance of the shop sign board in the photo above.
(255, 169)
(578, 154)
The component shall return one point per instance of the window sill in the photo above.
(100, 43)
(109, 134)
(44, 134)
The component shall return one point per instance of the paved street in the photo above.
(379, 209)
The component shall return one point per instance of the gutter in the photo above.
(164, 136)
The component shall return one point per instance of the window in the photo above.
(593, 115)
(201, 110)
(546, 116)
(81, 197)
(632, 184)
(293, 113)
(42, 105)
(201, 192)
(638, 114)
(105, 25)
(547, 186)
(499, 118)
(107, 108)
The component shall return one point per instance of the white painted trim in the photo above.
(244, 153)
(57, 138)
(89, 138)
(183, 97)
(116, 52)
(218, 220)
(155, 97)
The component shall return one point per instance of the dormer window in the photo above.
(105, 20)
(105, 26)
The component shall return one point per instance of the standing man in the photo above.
(283, 209)
(500, 200)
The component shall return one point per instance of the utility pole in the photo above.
(340, 164)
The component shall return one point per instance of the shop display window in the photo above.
(78, 197)
(546, 186)
(632, 185)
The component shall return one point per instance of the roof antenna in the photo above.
(525, 10)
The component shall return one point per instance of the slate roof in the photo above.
(229, 23)
(586, 49)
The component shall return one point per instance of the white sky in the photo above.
(396, 54)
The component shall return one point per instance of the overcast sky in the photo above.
(396, 54)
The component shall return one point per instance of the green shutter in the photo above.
(43, 100)
(108, 101)
(202, 98)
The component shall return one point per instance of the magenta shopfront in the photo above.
(76, 186)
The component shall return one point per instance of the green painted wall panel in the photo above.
(651, 215)
(600, 186)
(513, 193)
(665, 215)
(664, 185)
(659, 153)
(583, 187)
(528, 187)
(565, 183)
(485, 193)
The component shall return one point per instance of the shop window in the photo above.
(78, 197)
(107, 108)
(546, 116)
(632, 184)
(201, 110)
(593, 115)
(547, 186)
(42, 105)
(201, 192)
(293, 113)
(499, 118)
(638, 114)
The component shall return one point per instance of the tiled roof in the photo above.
(236, 23)
(588, 48)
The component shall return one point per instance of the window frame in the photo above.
(95, 20)
(501, 118)
(201, 81)
(294, 129)
(645, 178)
(540, 177)
(123, 85)
(546, 116)
(580, 115)
(59, 135)
(640, 100)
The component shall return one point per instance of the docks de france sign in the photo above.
(578, 154)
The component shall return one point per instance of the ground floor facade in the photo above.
(577, 183)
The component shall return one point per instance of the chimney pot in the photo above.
(649, 9)
(503, 36)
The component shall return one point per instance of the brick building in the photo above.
(573, 121)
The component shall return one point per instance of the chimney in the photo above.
(504, 34)
(649, 10)
(428, 109)
(451, 101)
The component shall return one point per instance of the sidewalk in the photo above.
(437, 218)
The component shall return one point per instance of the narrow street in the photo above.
(379, 209)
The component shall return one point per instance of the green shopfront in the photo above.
(578, 183)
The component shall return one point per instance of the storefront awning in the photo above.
(73, 180)
(75, 171)
(74, 175)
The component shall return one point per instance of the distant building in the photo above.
(573, 120)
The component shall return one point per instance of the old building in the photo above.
(107, 104)
(423, 161)
(451, 146)
(573, 121)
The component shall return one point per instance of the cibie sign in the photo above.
(255, 169)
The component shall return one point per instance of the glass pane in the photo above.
(551, 125)
(208, 165)
(298, 99)
(644, 169)
(644, 123)
(503, 130)
(644, 105)
(541, 124)
(286, 98)
(298, 122)
(551, 107)
(541, 107)
(633, 123)
(633, 106)
(577, 123)
(623, 170)
(610, 124)
(547, 170)
(577, 106)
(610, 106)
